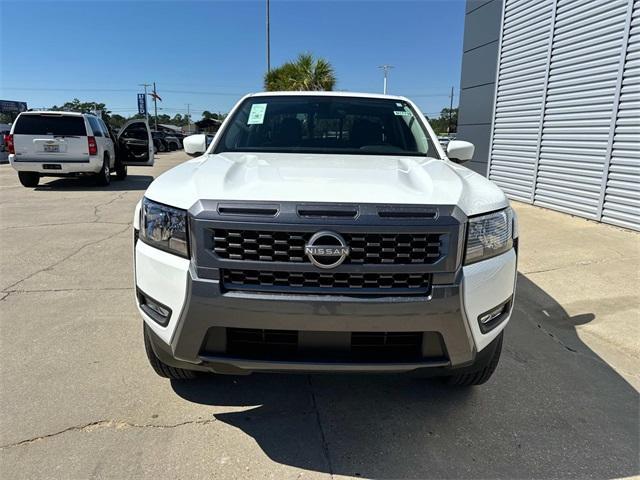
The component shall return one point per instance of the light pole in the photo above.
(450, 111)
(385, 69)
(268, 41)
(188, 118)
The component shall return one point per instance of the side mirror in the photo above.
(460, 151)
(195, 145)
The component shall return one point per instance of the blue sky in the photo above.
(209, 53)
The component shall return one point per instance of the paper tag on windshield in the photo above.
(402, 113)
(256, 115)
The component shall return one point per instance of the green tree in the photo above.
(448, 118)
(306, 73)
(76, 105)
(117, 121)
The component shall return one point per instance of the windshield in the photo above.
(308, 124)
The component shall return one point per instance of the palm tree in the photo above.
(306, 73)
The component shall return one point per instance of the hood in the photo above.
(280, 177)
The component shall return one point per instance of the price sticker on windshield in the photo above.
(256, 115)
(402, 113)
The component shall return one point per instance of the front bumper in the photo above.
(202, 311)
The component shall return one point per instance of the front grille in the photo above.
(254, 342)
(366, 248)
(397, 283)
(392, 344)
(357, 346)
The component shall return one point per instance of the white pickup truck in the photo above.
(325, 232)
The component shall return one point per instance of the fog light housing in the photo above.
(492, 318)
(157, 311)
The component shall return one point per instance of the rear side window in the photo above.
(50, 125)
(97, 131)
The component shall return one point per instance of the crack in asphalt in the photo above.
(325, 444)
(572, 350)
(41, 225)
(103, 424)
(47, 290)
(581, 263)
(55, 264)
(97, 207)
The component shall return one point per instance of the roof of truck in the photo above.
(328, 94)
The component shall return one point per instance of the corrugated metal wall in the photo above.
(622, 194)
(567, 114)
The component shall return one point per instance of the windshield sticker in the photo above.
(398, 104)
(256, 115)
(402, 113)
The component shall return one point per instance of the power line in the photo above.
(186, 92)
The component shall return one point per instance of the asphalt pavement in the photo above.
(78, 399)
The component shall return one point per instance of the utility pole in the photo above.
(450, 111)
(188, 118)
(155, 105)
(268, 41)
(385, 69)
(146, 110)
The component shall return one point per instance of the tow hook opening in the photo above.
(157, 311)
(492, 318)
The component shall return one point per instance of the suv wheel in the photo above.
(480, 372)
(29, 179)
(103, 177)
(162, 368)
(121, 171)
(162, 147)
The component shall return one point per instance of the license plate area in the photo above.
(52, 148)
(52, 166)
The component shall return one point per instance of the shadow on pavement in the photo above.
(132, 182)
(553, 409)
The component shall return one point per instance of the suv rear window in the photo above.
(50, 125)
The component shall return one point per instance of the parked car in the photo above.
(170, 140)
(445, 139)
(281, 248)
(62, 144)
(159, 142)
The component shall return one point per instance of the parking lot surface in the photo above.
(80, 401)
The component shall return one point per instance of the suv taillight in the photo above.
(93, 146)
(8, 141)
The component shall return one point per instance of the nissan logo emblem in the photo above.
(326, 249)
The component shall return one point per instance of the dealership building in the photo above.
(550, 96)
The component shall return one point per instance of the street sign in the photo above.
(11, 106)
(142, 104)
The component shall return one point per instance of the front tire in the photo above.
(161, 368)
(478, 374)
(29, 179)
(103, 177)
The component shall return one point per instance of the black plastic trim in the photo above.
(506, 311)
(142, 301)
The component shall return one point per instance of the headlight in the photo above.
(489, 235)
(164, 228)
